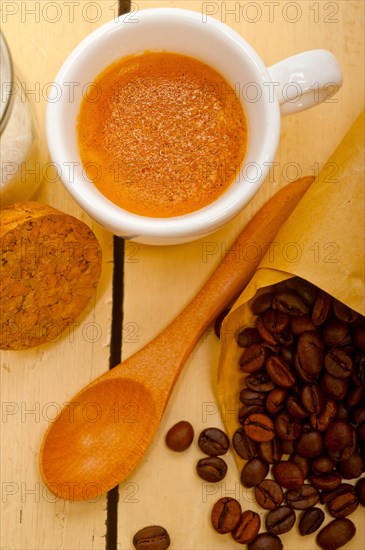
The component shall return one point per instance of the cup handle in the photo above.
(305, 80)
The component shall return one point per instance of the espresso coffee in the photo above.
(161, 134)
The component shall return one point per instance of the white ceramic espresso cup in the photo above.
(294, 84)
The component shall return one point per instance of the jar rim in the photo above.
(6, 77)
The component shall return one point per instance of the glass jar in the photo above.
(20, 145)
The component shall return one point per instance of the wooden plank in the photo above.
(36, 383)
(159, 281)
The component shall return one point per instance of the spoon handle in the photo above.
(223, 286)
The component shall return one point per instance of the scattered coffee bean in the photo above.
(340, 440)
(212, 468)
(213, 442)
(280, 372)
(342, 504)
(310, 521)
(323, 464)
(265, 541)
(280, 520)
(226, 514)
(326, 482)
(253, 358)
(288, 474)
(287, 428)
(269, 494)
(270, 451)
(153, 537)
(259, 381)
(244, 446)
(259, 427)
(353, 467)
(309, 444)
(275, 400)
(335, 534)
(303, 498)
(247, 528)
(180, 436)
(253, 472)
(247, 337)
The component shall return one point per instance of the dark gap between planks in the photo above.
(115, 356)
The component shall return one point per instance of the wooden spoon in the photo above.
(102, 433)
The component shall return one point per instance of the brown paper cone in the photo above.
(323, 241)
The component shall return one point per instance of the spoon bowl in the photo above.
(102, 433)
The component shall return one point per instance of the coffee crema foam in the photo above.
(161, 134)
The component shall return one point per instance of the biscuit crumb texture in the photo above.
(50, 265)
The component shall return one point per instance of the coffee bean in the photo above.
(261, 303)
(303, 498)
(303, 463)
(343, 312)
(253, 472)
(309, 358)
(280, 372)
(358, 414)
(355, 396)
(265, 541)
(253, 358)
(269, 494)
(358, 370)
(226, 514)
(312, 398)
(212, 468)
(244, 446)
(287, 446)
(289, 303)
(321, 307)
(266, 336)
(359, 337)
(342, 504)
(270, 451)
(280, 520)
(301, 324)
(353, 467)
(259, 381)
(287, 353)
(309, 444)
(360, 491)
(275, 321)
(322, 420)
(326, 482)
(323, 464)
(250, 397)
(327, 496)
(287, 428)
(288, 474)
(213, 442)
(334, 388)
(336, 333)
(153, 537)
(247, 410)
(259, 427)
(340, 440)
(336, 534)
(295, 408)
(338, 363)
(247, 337)
(180, 436)
(247, 527)
(275, 400)
(310, 521)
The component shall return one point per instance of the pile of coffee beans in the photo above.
(302, 412)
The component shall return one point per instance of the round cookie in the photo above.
(50, 264)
